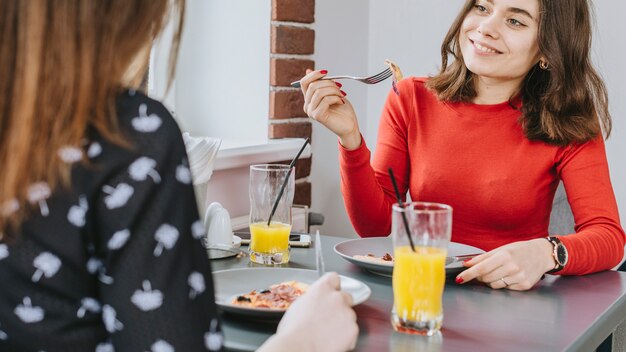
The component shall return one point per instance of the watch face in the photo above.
(561, 254)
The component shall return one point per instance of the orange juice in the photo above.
(418, 281)
(270, 239)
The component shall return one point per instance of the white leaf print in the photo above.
(161, 346)
(3, 335)
(213, 340)
(29, 313)
(166, 236)
(197, 230)
(9, 207)
(70, 154)
(96, 266)
(4, 251)
(143, 167)
(94, 150)
(196, 282)
(183, 174)
(118, 196)
(145, 123)
(88, 304)
(76, 214)
(109, 317)
(119, 239)
(105, 347)
(47, 264)
(147, 299)
(38, 193)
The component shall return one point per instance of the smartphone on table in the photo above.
(296, 239)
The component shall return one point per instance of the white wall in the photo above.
(356, 36)
(221, 87)
(341, 32)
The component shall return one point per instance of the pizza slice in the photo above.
(279, 296)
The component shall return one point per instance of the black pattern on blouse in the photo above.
(115, 263)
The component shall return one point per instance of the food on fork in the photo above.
(397, 74)
(386, 259)
(279, 296)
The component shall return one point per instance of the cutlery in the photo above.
(319, 260)
(461, 258)
(377, 78)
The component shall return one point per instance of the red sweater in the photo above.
(476, 159)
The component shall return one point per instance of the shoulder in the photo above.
(415, 86)
(140, 115)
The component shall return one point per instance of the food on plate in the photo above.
(386, 259)
(279, 296)
(397, 74)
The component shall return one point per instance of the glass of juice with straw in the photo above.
(419, 265)
(270, 212)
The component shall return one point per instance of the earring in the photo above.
(544, 65)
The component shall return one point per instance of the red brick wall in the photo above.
(292, 44)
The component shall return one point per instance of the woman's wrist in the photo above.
(280, 342)
(546, 248)
(351, 141)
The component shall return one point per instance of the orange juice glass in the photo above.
(419, 271)
(269, 240)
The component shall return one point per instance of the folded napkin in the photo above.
(202, 152)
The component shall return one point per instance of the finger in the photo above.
(331, 279)
(311, 77)
(347, 298)
(320, 114)
(313, 87)
(320, 94)
(507, 269)
(477, 259)
(483, 268)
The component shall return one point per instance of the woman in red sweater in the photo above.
(518, 109)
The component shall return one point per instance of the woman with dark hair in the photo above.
(100, 241)
(517, 109)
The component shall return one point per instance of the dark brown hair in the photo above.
(565, 104)
(62, 63)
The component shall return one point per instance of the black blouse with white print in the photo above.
(115, 263)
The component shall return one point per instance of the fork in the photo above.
(377, 78)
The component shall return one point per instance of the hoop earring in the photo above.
(544, 65)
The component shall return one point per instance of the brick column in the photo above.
(292, 44)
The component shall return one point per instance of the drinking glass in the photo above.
(419, 274)
(269, 242)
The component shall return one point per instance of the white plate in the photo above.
(234, 282)
(381, 245)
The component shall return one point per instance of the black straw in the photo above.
(282, 188)
(399, 197)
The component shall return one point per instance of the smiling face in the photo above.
(498, 39)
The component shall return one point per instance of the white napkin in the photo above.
(202, 152)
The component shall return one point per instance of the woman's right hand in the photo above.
(325, 102)
(320, 320)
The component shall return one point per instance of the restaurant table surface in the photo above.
(560, 314)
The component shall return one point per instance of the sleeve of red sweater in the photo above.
(367, 189)
(598, 243)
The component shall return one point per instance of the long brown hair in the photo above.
(62, 63)
(568, 102)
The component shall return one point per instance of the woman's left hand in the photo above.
(515, 266)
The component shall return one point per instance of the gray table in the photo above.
(560, 314)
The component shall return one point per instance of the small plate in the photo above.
(381, 245)
(233, 282)
(216, 253)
